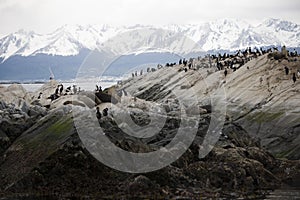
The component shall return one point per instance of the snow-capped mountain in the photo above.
(65, 41)
(225, 34)
(28, 56)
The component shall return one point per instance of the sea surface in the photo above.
(283, 193)
(88, 84)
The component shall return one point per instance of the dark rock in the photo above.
(36, 111)
(4, 142)
(140, 118)
(75, 103)
(13, 129)
(104, 97)
(92, 96)
(208, 108)
(24, 107)
(45, 155)
(2, 105)
(264, 157)
(140, 183)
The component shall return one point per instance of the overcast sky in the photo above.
(44, 16)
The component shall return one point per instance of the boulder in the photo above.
(140, 183)
(36, 110)
(195, 110)
(91, 95)
(14, 94)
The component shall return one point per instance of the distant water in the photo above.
(284, 192)
(30, 87)
(84, 84)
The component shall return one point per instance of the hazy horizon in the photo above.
(46, 16)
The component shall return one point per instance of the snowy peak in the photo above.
(227, 25)
(281, 25)
(16, 43)
(225, 34)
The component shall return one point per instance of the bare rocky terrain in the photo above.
(259, 96)
(42, 154)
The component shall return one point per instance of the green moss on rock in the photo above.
(263, 117)
(50, 133)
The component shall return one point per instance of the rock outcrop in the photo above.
(259, 96)
(43, 154)
(49, 160)
(16, 116)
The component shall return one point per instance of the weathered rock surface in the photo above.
(43, 156)
(14, 120)
(267, 109)
(49, 160)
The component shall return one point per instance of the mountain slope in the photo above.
(226, 34)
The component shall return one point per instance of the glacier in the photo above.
(222, 34)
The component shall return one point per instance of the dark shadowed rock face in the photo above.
(16, 120)
(55, 165)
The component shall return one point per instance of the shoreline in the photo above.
(87, 86)
(57, 142)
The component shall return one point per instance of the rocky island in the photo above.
(255, 106)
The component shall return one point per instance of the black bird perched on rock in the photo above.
(53, 97)
(56, 91)
(98, 114)
(286, 70)
(68, 89)
(294, 77)
(105, 111)
(40, 95)
(61, 88)
(122, 92)
(125, 93)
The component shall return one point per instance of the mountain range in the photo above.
(73, 42)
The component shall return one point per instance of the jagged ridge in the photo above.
(227, 34)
